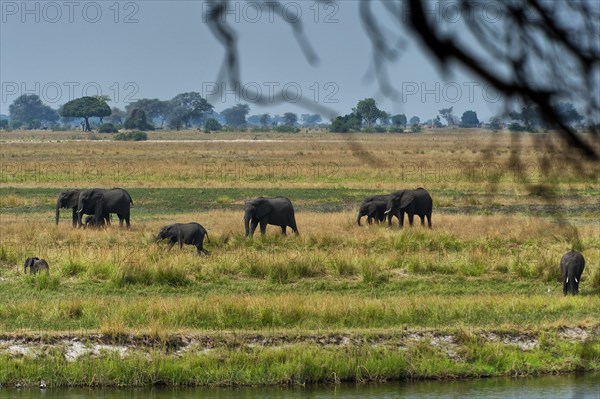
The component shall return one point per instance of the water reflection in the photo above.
(568, 387)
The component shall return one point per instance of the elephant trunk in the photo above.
(58, 204)
(247, 224)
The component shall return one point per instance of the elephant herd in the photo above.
(98, 204)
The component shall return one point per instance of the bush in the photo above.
(107, 128)
(286, 129)
(212, 125)
(132, 136)
(516, 127)
(137, 120)
(416, 128)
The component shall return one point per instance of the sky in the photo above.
(157, 49)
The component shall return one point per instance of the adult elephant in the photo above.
(277, 211)
(373, 207)
(115, 200)
(68, 199)
(413, 202)
(184, 233)
(571, 265)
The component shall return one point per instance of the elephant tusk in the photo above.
(386, 212)
(567, 280)
(576, 280)
(79, 211)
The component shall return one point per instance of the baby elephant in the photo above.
(184, 233)
(571, 266)
(36, 265)
(90, 222)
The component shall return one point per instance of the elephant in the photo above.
(184, 233)
(277, 211)
(36, 265)
(571, 265)
(103, 202)
(413, 202)
(374, 208)
(90, 221)
(68, 199)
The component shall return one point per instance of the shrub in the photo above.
(212, 125)
(137, 120)
(416, 128)
(286, 129)
(131, 136)
(107, 128)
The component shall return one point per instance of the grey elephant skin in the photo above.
(571, 265)
(373, 207)
(412, 202)
(90, 221)
(68, 199)
(103, 202)
(277, 211)
(184, 233)
(36, 265)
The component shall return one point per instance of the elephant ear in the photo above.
(29, 262)
(263, 208)
(406, 199)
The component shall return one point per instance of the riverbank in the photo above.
(293, 358)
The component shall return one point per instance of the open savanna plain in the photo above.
(478, 295)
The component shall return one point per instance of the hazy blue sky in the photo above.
(157, 49)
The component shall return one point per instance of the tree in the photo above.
(568, 114)
(236, 115)
(469, 119)
(31, 112)
(154, 108)
(366, 110)
(117, 116)
(86, 107)
(437, 122)
(415, 120)
(290, 119)
(338, 125)
(4, 124)
(529, 115)
(399, 120)
(185, 107)
(213, 125)
(265, 120)
(494, 124)
(310, 119)
(137, 120)
(446, 113)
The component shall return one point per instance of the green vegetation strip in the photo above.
(360, 359)
(151, 201)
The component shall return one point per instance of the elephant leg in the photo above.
(127, 215)
(429, 220)
(263, 226)
(369, 219)
(283, 228)
(422, 220)
(75, 218)
(565, 288)
(410, 219)
(253, 225)
(172, 242)
(401, 219)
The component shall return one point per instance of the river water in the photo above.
(568, 387)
